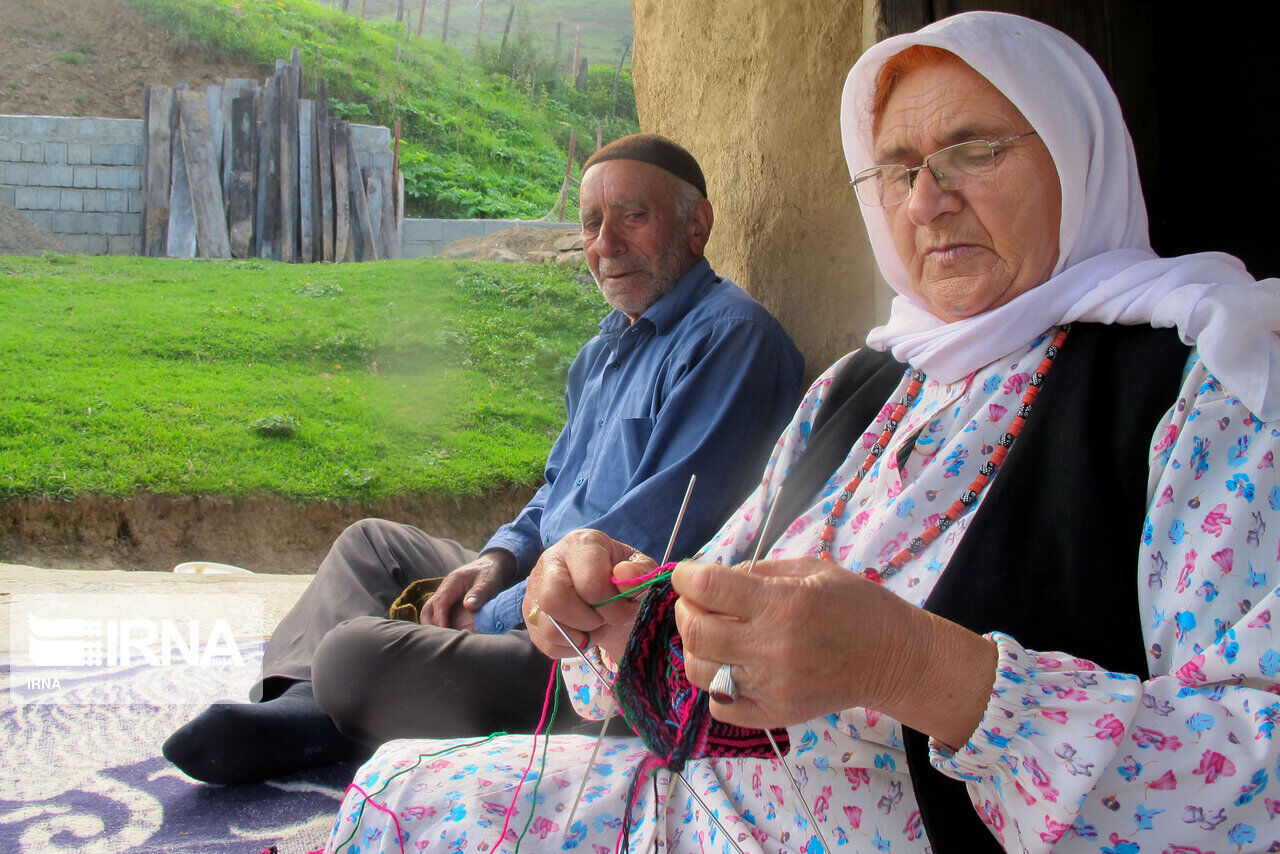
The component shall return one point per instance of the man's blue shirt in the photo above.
(701, 383)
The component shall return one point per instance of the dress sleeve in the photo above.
(1071, 757)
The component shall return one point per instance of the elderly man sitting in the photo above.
(689, 375)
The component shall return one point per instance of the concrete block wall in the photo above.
(422, 237)
(81, 178)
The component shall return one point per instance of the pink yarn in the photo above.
(654, 573)
(546, 703)
(368, 799)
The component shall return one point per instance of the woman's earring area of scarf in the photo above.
(722, 689)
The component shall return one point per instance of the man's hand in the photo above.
(464, 591)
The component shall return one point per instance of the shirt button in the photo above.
(580, 481)
(600, 422)
(499, 625)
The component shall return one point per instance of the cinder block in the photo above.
(127, 154)
(94, 200)
(109, 223)
(10, 150)
(61, 176)
(108, 177)
(39, 175)
(131, 178)
(85, 177)
(55, 152)
(44, 219)
(131, 223)
(15, 127)
(15, 174)
(73, 243)
(67, 223)
(125, 244)
(114, 201)
(39, 126)
(49, 198)
(24, 198)
(79, 153)
(32, 152)
(135, 202)
(95, 244)
(71, 200)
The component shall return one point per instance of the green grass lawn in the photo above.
(353, 381)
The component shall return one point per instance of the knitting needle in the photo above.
(582, 654)
(671, 543)
(763, 531)
(795, 787)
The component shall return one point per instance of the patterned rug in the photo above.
(82, 772)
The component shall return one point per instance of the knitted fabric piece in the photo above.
(671, 715)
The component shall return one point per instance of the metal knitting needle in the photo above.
(795, 787)
(671, 543)
(582, 787)
(582, 654)
(763, 531)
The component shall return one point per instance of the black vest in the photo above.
(1050, 556)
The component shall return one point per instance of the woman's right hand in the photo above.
(569, 579)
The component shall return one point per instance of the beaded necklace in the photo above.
(970, 495)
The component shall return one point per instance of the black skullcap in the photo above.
(656, 150)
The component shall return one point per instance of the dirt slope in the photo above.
(93, 58)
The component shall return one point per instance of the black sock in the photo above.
(249, 742)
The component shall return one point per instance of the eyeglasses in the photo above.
(952, 167)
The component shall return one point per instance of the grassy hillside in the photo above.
(606, 24)
(309, 381)
(476, 144)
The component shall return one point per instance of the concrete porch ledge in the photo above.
(278, 593)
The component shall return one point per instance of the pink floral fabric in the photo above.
(1067, 758)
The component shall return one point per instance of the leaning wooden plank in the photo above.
(268, 222)
(203, 176)
(158, 171)
(342, 249)
(213, 96)
(233, 89)
(180, 241)
(374, 191)
(324, 156)
(306, 183)
(288, 106)
(240, 186)
(361, 226)
(390, 237)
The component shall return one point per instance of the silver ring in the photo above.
(722, 689)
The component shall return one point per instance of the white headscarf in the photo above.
(1106, 270)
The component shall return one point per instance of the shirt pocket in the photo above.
(619, 458)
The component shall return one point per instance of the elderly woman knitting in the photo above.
(1017, 588)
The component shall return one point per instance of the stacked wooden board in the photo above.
(242, 170)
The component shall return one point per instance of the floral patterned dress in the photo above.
(1068, 757)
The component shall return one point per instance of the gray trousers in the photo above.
(380, 679)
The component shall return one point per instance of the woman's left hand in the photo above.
(806, 637)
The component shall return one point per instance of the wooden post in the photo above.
(577, 51)
(240, 195)
(324, 156)
(444, 30)
(203, 176)
(361, 225)
(181, 239)
(157, 175)
(422, 14)
(342, 250)
(362, 2)
(480, 28)
(306, 182)
(269, 172)
(375, 192)
(288, 106)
